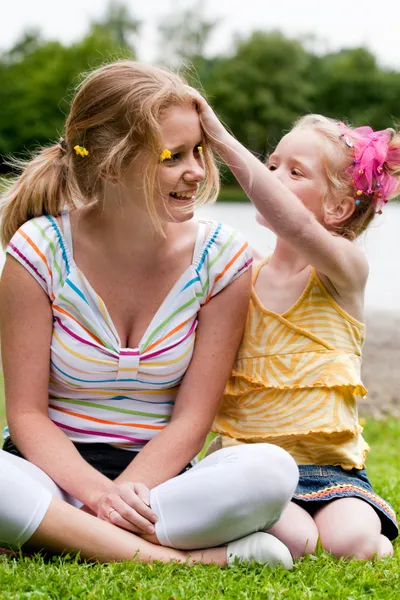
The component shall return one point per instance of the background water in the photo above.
(381, 243)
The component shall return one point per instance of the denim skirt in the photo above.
(321, 484)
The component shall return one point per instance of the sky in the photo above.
(334, 24)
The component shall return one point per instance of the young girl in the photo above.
(297, 373)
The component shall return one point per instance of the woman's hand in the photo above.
(127, 505)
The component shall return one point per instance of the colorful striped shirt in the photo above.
(295, 381)
(99, 391)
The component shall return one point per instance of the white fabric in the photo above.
(231, 493)
(262, 548)
(24, 500)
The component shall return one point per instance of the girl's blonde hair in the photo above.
(115, 115)
(337, 159)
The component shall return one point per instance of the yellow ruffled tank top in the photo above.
(295, 381)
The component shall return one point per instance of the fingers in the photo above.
(129, 518)
(138, 500)
(143, 492)
(116, 519)
(198, 99)
(128, 507)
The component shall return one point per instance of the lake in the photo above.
(381, 243)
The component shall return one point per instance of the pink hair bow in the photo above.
(371, 149)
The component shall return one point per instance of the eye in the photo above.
(174, 158)
(297, 173)
(272, 167)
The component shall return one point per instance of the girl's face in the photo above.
(297, 163)
(177, 178)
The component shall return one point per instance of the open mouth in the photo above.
(183, 196)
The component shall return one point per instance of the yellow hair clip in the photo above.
(165, 154)
(81, 151)
(200, 149)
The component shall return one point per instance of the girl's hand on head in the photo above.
(127, 506)
(209, 120)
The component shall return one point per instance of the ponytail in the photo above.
(46, 186)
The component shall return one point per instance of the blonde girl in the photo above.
(297, 373)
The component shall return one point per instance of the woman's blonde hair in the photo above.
(337, 159)
(115, 115)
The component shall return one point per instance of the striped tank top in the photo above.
(98, 390)
(295, 381)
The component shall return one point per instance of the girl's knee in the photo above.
(297, 530)
(350, 528)
(361, 544)
(299, 540)
(385, 547)
(303, 542)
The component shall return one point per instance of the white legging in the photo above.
(229, 494)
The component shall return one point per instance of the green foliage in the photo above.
(37, 84)
(315, 578)
(264, 84)
(349, 84)
(262, 88)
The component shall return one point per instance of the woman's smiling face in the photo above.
(177, 178)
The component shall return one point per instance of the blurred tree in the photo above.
(346, 84)
(37, 82)
(262, 88)
(183, 38)
(119, 24)
(259, 89)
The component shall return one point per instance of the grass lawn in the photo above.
(315, 577)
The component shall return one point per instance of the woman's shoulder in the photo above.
(223, 256)
(40, 230)
(222, 239)
(38, 246)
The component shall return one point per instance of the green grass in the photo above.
(319, 577)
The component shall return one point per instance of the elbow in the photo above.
(200, 440)
(196, 441)
(21, 423)
(200, 444)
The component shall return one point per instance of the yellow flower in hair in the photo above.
(200, 149)
(81, 151)
(165, 154)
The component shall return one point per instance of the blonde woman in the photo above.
(120, 318)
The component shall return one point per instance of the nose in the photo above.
(195, 171)
(279, 174)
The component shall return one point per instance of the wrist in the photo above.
(223, 140)
(94, 497)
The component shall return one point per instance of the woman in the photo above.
(121, 316)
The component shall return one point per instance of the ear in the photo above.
(336, 212)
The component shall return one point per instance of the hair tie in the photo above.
(62, 145)
(368, 169)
